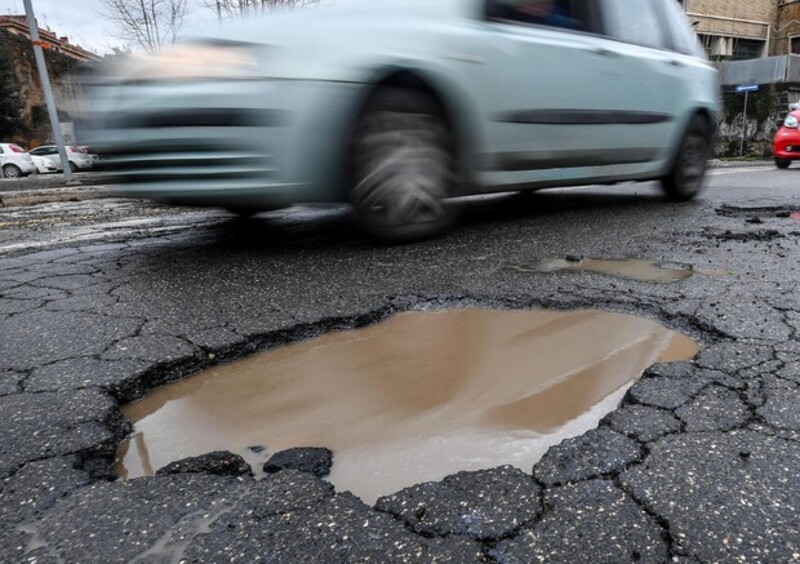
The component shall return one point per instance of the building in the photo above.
(734, 30)
(18, 25)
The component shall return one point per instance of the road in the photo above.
(102, 301)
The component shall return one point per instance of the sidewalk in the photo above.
(732, 163)
(49, 195)
(43, 189)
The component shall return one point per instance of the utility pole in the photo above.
(48, 91)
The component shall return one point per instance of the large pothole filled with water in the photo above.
(412, 399)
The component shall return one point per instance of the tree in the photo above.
(243, 7)
(10, 100)
(147, 23)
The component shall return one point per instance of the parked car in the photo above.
(44, 164)
(15, 161)
(399, 105)
(786, 145)
(77, 156)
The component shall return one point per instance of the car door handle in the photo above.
(676, 63)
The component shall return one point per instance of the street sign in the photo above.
(747, 88)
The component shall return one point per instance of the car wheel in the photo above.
(782, 163)
(685, 178)
(73, 167)
(402, 166)
(12, 171)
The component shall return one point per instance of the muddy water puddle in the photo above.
(633, 269)
(414, 398)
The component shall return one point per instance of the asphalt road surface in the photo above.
(102, 301)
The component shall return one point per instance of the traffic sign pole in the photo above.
(744, 124)
(746, 88)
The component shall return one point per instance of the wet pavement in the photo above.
(699, 462)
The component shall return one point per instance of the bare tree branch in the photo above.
(149, 24)
(227, 8)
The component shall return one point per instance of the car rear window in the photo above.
(17, 149)
(634, 22)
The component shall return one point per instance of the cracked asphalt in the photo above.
(101, 302)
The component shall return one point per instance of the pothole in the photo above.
(633, 269)
(414, 398)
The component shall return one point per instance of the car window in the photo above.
(567, 14)
(684, 39)
(634, 22)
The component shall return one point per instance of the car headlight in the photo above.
(790, 121)
(193, 61)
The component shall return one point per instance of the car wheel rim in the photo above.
(403, 168)
(12, 172)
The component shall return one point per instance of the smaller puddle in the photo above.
(412, 399)
(632, 269)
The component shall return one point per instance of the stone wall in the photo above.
(765, 109)
(34, 114)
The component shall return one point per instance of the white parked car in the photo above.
(78, 158)
(15, 161)
(44, 164)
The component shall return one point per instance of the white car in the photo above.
(401, 106)
(44, 165)
(15, 161)
(78, 158)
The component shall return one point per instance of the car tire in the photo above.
(685, 178)
(73, 167)
(783, 163)
(12, 171)
(402, 167)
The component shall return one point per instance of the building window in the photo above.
(747, 49)
(721, 48)
(794, 45)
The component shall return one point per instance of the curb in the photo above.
(717, 163)
(48, 195)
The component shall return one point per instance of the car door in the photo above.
(649, 77)
(561, 102)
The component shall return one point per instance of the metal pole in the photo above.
(744, 125)
(48, 91)
(219, 11)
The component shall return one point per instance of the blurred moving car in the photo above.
(77, 156)
(397, 106)
(43, 164)
(786, 144)
(15, 161)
